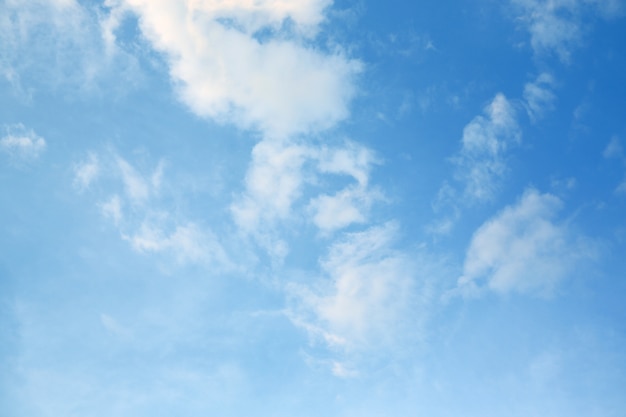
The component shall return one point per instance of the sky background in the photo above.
(312, 208)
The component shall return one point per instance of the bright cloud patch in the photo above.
(225, 72)
(279, 172)
(273, 182)
(366, 293)
(523, 249)
(22, 143)
(340, 210)
(486, 140)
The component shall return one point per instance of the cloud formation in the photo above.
(276, 180)
(22, 144)
(538, 96)
(58, 43)
(142, 218)
(86, 172)
(486, 140)
(248, 63)
(557, 26)
(363, 299)
(188, 243)
(523, 249)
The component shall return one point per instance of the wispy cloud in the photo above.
(188, 243)
(22, 144)
(366, 295)
(135, 207)
(486, 139)
(615, 150)
(137, 187)
(538, 96)
(57, 44)
(523, 249)
(557, 26)
(85, 172)
(112, 209)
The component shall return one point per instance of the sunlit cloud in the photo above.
(524, 249)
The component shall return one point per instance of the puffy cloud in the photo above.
(352, 159)
(365, 295)
(523, 249)
(273, 182)
(351, 204)
(279, 171)
(333, 212)
(539, 96)
(486, 139)
(233, 62)
(348, 206)
(21, 143)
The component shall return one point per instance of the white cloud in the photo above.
(557, 26)
(523, 249)
(86, 171)
(351, 159)
(486, 139)
(113, 209)
(539, 96)
(366, 294)
(57, 43)
(21, 143)
(273, 182)
(278, 173)
(136, 208)
(188, 244)
(351, 204)
(348, 206)
(224, 71)
(137, 188)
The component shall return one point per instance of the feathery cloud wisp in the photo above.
(21, 143)
(486, 139)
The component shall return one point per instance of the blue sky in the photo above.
(312, 208)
